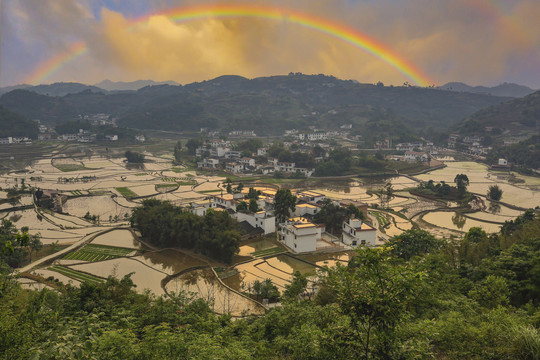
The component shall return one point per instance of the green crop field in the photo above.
(76, 275)
(126, 192)
(92, 253)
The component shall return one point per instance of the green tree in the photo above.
(296, 287)
(265, 290)
(462, 181)
(491, 292)
(494, 192)
(134, 157)
(411, 243)
(284, 203)
(374, 293)
(193, 144)
(178, 151)
(242, 206)
(253, 207)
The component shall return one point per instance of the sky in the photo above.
(422, 42)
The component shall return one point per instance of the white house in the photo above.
(262, 151)
(8, 140)
(234, 167)
(111, 137)
(232, 154)
(285, 167)
(416, 156)
(199, 208)
(355, 232)
(247, 161)
(299, 234)
(503, 162)
(226, 200)
(140, 138)
(310, 196)
(259, 219)
(208, 163)
(306, 209)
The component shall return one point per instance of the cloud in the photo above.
(451, 40)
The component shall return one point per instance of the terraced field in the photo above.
(92, 253)
(126, 192)
(77, 275)
(266, 252)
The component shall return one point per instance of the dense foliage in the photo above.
(13, 124)
(525, 154)
(134, 157)
(165, 225)
(430, 301)
(16, 244)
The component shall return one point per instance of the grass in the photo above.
(266, 252)
(126, 192)
(380, 218)
(76, 192)
(210, 191)
(76, 275)
(92, 253)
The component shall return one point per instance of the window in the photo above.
(354, 242)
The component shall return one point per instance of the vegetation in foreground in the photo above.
(419, 298)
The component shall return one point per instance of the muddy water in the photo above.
(103, 206)
(328, 259)
(169, 261)
(480, 179)
(205, 285)
(143, 276)
(64, 279)
(257, 245)
(454, 221)
(118, 238)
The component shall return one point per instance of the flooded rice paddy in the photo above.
(99, 177)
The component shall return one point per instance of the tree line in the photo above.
(162, 224)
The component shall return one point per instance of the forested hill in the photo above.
(519, 116)
(13, 124)
(268, 105)
(505, 89)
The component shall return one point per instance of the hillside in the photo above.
(13, 124)
(268, 105)
(505, 89)
(130, 85)
(516, 117)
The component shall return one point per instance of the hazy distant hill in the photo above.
(505, 89)
(267, 105)
(63, 89)
(519, 116)
(13, 124)
(7, 89)
(132, 85)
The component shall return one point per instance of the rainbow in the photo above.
(199, 12)
(50, 66)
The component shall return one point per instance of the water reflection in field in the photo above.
(204, 284)
(169, 261)
(455, 221)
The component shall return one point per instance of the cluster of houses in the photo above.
(218, 154)
(15, 140)
(298, 233)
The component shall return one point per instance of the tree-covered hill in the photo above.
(519, 116)
(267, 105)
(13, 124)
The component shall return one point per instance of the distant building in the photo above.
(416, 156)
